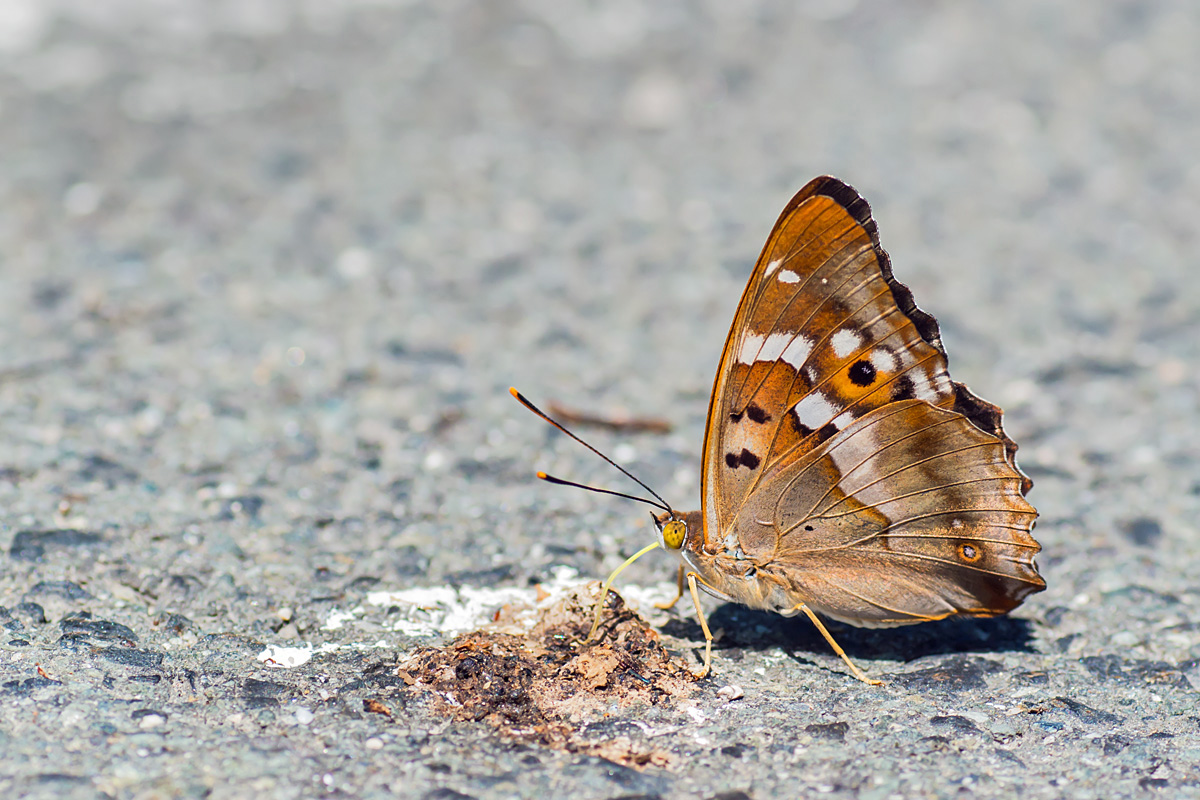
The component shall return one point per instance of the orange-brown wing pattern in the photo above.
(910, 514)
(823, 335)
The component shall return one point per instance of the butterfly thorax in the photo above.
(724, 569)
(739, 566)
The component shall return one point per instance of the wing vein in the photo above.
(913, 464)
(971, 567)
(909, 520)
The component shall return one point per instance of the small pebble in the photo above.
(730, 692)
(374, 743)
(150, 721)
(304, 716)
(288, 632)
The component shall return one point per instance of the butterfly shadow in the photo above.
(746, 629)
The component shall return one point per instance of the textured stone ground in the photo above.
(267, 270)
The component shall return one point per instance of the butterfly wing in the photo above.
(823, 336)
(909, 514)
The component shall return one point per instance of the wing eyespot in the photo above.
(969, 553)
(862, 373)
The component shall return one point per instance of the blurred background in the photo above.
(268, 267)
(355, 224)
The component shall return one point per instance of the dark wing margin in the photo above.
(857, 207)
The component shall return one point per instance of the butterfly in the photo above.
(844, 474)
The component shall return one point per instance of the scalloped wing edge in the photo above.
(988, 417)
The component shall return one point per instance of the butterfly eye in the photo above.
(672, 533)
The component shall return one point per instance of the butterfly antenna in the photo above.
(663, 504)
(561, 482)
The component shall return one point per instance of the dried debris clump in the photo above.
(532, 676)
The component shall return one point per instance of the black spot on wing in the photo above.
(736, 416)
(903, 389)
(742, 459)
(801, 429)
(757, 414)
(827, 431)
(862, 373)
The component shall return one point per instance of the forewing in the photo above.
(823, 336)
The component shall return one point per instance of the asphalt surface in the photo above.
(268, 269)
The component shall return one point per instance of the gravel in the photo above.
(267, 270)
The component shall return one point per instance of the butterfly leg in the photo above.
(678, 592)
(708, 637)
(837, 648)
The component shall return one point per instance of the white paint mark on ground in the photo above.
(339, 618)
(285, 657)
(445, 610)
(448, 611)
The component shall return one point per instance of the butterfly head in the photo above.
(677, 528)
(672, 530)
